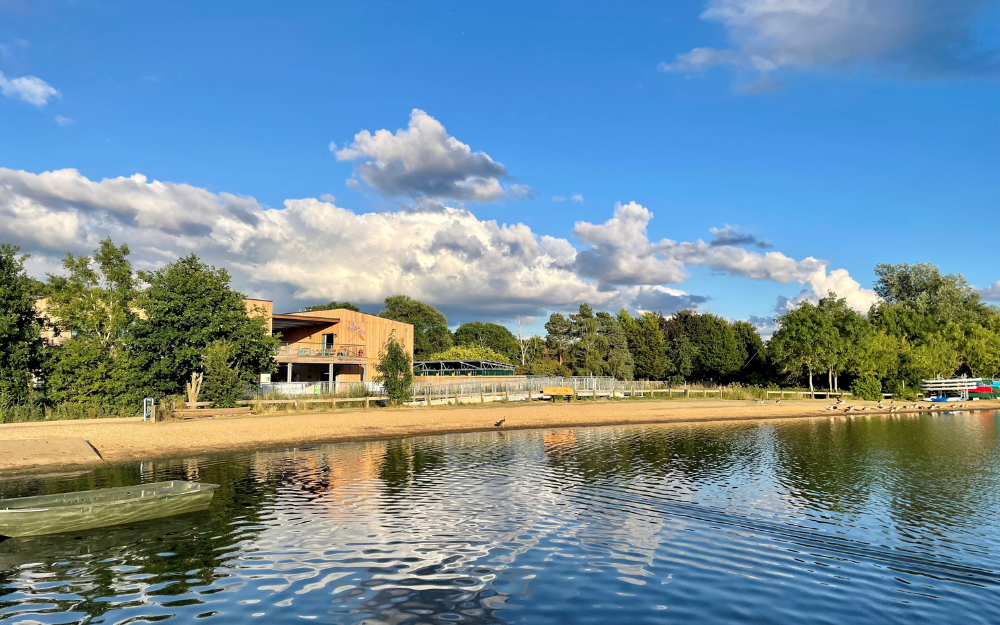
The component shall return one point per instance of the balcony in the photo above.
(317, 352)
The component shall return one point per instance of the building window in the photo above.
(328, 340)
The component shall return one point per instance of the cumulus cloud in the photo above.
(733, 235)
(621, 253)
(313, 250)
(31, 89)
(577, 198)
(990, 293)
(309, 250)
(424, 161)
(917, 37)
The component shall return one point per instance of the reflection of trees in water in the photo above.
(406, 460)
(689, 455)
(176, 554)
(926, 470)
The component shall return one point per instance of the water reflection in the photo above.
(710, 523)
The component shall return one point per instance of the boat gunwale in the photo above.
(166, 493)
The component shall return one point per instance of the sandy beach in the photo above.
(116, 440)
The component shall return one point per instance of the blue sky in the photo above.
(849, 131)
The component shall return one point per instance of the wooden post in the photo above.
(529, 395)
(366, 401)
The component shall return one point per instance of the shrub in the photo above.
(395, 372)
(867, 387)
(223, 384)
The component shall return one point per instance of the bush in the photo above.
(867, 387)
(223, 384)
(395, 372)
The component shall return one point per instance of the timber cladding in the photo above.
(371, 331)
(364, 337)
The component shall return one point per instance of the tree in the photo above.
(558, 336)
(646, 344)
(223, 385)
(187, 306)
(754, 367)
(612, 342)
(94, 302)
(395, 372)
(980, 351)
(491, 336)
(587, 355)
(470, 352)
(803, 341)
(20, 330)
(333, 305)
(430, 326)
(922, 288)
(851, 332)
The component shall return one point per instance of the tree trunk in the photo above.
(836, 382)
(812, 391)
(829, 380)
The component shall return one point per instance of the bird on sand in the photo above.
(501, 423)
(777, 401)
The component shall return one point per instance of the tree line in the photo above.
(925, 324)
(125, 334)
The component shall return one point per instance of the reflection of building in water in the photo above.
(560, 438)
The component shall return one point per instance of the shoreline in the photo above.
(124, 440)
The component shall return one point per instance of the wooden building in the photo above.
(330, 345)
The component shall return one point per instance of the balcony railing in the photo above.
(317, 349)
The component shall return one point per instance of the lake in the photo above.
(870, 520)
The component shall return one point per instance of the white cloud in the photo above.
(917, 37)
(312, 250)
(620, 253)
(558, 198)
(63, 121)
(424, 161)
(990, 293)
(31, 89)
(332, 146)
(577, 198)
(309, 250)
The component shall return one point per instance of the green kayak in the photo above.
(69, 512)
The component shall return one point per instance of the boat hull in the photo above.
(56, 514)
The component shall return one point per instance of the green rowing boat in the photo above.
(69, 512)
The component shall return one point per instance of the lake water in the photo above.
(874, 520)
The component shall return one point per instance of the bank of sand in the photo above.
(118, 440)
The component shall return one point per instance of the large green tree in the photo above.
(618, 362)
(187, 306)
(430, 326)
(20, 335)
(645, 342)
(559, 337)
(587, 353)
(922, 288)
(490, 336)
(94, 303)
(803, 342)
